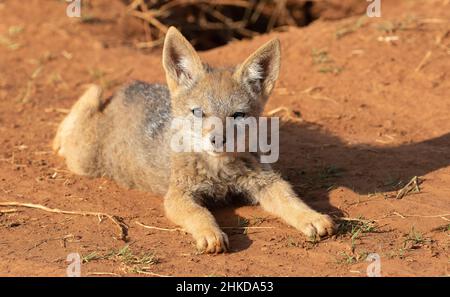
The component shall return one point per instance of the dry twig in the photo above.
(226, 20)
(103, 273)
(423, 62)
(158, 228)
(115, 219)
(2, 211)
(411, 187)
(180, 229)
(442, 216)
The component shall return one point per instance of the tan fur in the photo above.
(79, 151)
(128, 140)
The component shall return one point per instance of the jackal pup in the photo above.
(128, 139)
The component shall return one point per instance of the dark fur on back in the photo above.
(155, 99)
(143, 111)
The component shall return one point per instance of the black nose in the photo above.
(213, 139)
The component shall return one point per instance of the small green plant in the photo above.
(415, 240)
(256, 221)
(90, 257)
(15, 30)
(331, 171)
(243, 222)
(8, 43)
(343, 31)
(331, 69)
(391, 27)
(310, 243)
(133, 262)
(323, 178)
(320, 56)
(355, 228)
(126, 256)
(387, 27)
(351, 258)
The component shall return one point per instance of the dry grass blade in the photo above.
(115, 219)
(411, 187)
(144, 271)
(2, 211)
(102, 273)
(180, 229)
(355, 220)
(424, 61)
(150, 44)
(285, 114)
(158, 228)
(442, 216)
(151, 19)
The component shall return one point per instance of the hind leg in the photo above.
(76, 138)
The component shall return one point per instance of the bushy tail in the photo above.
(90, 102)
(87, 105)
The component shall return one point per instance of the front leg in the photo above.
(276, 196)
(183, 210)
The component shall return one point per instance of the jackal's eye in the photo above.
(197, 112)
(239, 115)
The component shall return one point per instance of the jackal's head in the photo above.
(201, 92)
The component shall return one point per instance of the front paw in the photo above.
(211, 241)
(314, 224)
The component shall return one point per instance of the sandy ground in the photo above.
(368, 105)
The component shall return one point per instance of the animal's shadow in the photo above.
(314, 162)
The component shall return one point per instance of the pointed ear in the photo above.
(260, 71)
(180, 61)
